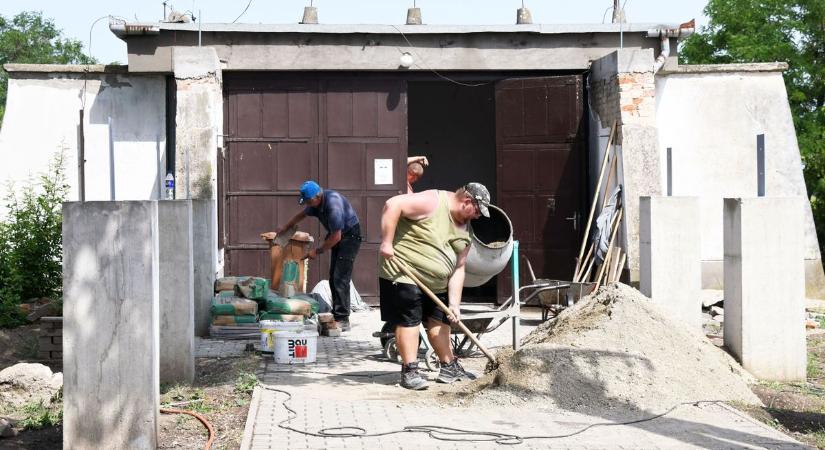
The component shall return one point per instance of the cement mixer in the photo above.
(491, 245)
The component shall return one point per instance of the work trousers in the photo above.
(342, 258)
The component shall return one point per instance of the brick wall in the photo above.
(628, 98)
(51, 338)
(637, 98)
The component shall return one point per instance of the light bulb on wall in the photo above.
(406, 60)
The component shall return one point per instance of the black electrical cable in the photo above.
(242, 12)
(443, 433)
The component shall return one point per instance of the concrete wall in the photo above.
(711, 118)
(125, 132)
(765, 286)
(110, 325)
(203, 255)
(177, 308)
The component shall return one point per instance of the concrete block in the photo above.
(177, 307)
(765, 286)
(110, 323)
(195, 62)
(670, 256)
(204, 248)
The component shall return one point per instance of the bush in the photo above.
(31, 249)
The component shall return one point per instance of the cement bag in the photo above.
(317, 302)
(233, 320)
(226, 283)
(281, 305)
(355, 302)
(282, 317)
(254, 288)
(233, 306)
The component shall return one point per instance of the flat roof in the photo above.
(66, 68)
(725, 68)
(392, 29)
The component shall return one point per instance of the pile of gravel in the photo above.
(614, 350)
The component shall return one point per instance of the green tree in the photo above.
(30, 38)
(792, 31)
(31, 249)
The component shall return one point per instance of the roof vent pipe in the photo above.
(310, 15)
(523, 17)
(414, 16)
(618, 13)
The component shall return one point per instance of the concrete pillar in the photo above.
(198, 121)
(765, 286)
(110, 325)
(670, 256)
(623, 90)
(204, 243)
(177, 315)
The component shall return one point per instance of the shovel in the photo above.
(493, 364)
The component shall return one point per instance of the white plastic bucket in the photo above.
(295, 347)
(269, 328)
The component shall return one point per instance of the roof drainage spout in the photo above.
(665, 34)
(121, 30)
(663, 55)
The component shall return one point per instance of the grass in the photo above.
(179, 393)
(813, 368)
(37, 415)
(245, 383)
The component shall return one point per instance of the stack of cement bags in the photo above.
(292, 309)
(235, 307)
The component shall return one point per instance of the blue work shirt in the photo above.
(335, 213)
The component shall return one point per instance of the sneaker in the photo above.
(343, 325)
(452, 371)
(411, 378)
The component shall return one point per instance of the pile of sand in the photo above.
(614, 350)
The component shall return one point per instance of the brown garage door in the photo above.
(281, 131)
(540, 173)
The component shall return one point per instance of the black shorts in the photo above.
(405, 304)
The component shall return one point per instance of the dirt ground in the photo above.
(797, 409)
(221, 393)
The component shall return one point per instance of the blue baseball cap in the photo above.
(309, 189)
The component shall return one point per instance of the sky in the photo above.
(76, 18)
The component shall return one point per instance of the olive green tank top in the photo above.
(429, 246)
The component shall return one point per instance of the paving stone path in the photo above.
(352, 385)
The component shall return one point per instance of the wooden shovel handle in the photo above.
(444, 308)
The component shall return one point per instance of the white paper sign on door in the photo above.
(383, 171)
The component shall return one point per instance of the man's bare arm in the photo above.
(455, 285)
(411, 206)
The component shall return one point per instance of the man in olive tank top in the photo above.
(428, 232)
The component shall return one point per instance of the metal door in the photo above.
(540, 170)
(284, 130)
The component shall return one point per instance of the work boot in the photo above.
(452, 371)
(343, 324)
(411, 378)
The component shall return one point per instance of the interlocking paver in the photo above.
(351, 384)
(216, 348)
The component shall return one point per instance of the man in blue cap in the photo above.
(343, 239)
